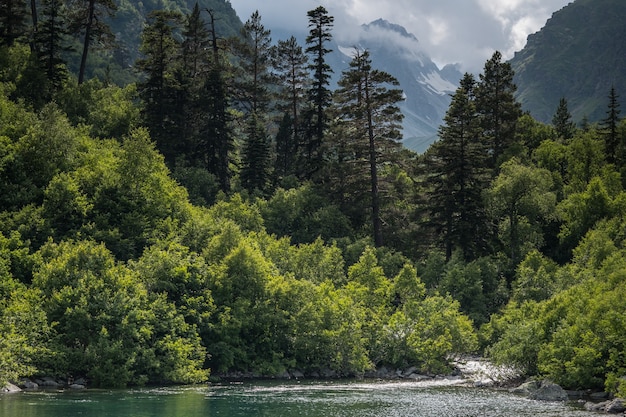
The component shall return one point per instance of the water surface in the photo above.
(273, 399)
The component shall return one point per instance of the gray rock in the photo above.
(527, 388)
(49, 382)
(597, 407)
(297, 374)
(616, 406)
(549, 391)
(28, 384)
(596, 396)
(10, 388)
(77, 386)
(542, 391)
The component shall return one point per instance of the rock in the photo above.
(28, 384)
(549, 391)
(597, 396)
(597, 407)
(527, 388)
(77, 386)
(616, 406)
(10, 388)
(418, 377)
(297, 374)
(49, 382)
(542, 391)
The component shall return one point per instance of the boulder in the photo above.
(549, 391)
(77, 386)
(9, 388)
(542, 391)
(28, 384)
(49, 382)
(616, 406)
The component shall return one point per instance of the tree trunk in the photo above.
(88, 27)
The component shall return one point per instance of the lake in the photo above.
(286, 399)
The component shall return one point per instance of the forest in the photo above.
(226, 212)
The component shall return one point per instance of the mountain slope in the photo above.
(579, 55)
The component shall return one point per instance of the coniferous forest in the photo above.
(220, 209)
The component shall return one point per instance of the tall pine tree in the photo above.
(320, 95)
(610, 130)
(562, 121)
(371, 108)
(497, 107)
(456, 175)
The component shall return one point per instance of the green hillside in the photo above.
(579, 55)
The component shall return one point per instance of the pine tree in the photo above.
(290, 70)
(497, 107)
(610, 127)
(562, 121)
(320, 96)
(370, 106)
(50, 38)
(159, 90)
(253, 54)
(255, 159)
(13, 15)
(456, 175)
(216, 134)
(89, 20)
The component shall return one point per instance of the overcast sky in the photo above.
(466, 32)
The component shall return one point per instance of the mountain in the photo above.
(579, 54)
(426, 88)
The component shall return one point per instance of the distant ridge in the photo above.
(579, 55)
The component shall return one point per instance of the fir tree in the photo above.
(159, 90)
(371, 107)
(562, 121)
(13, 15)
(497, 107)
(610, 129)
(88, 19)
(456, 175)
(254, 58)
(290, 70)
(320, 96)
(255, 159)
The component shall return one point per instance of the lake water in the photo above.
(286, 399)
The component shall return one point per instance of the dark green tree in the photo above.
(255, 159)
(253, 52)
(610, 129)
(497, 107)
(13, 16)
(455, 177)
(371, 106)
(88, 19)
(562, 121)
(289, 64)
(159, 90)
(320, 95)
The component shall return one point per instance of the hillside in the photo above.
(579, 54)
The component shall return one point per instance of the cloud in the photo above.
(466, 32)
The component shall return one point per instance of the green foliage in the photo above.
(106, 326)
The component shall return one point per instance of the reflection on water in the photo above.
(309, 399)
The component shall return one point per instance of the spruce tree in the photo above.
(456, 175)
(50, 38)
(253, 55)
(371, 107)
(289, 64)
(255, 158)
(320, 96)
(13, 15)
(610, 130)
(497, 107)
(159, 90)
(88, 19)
(562, 121)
